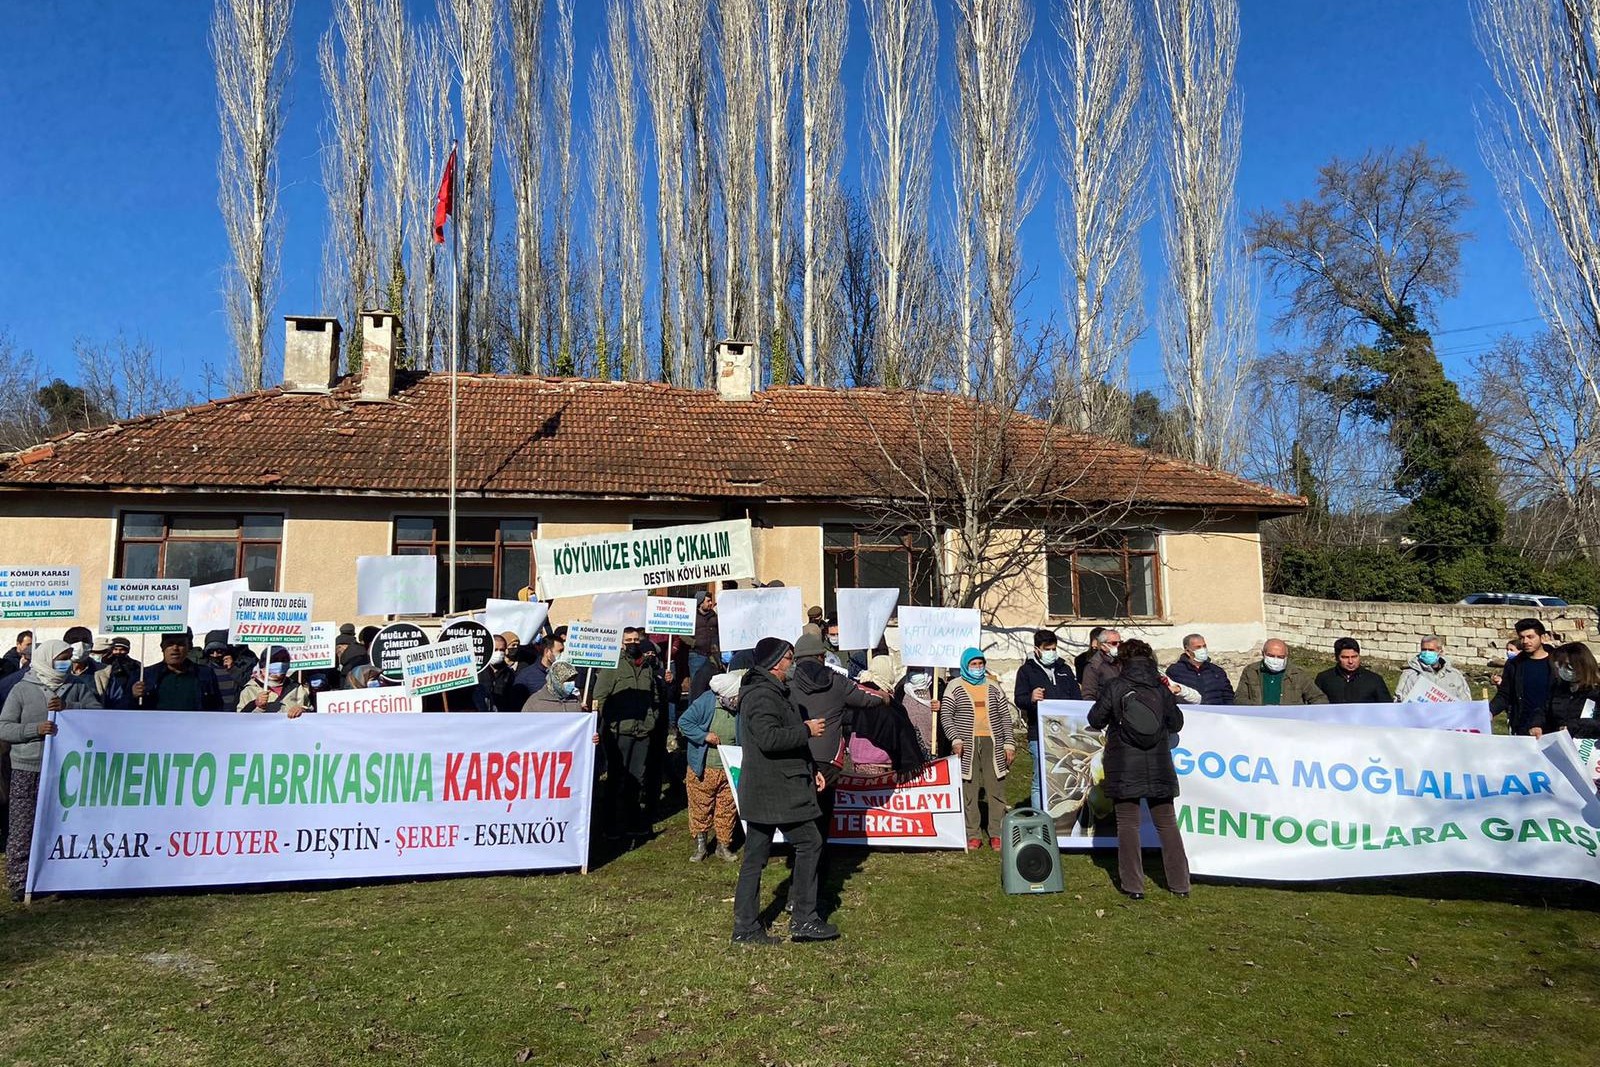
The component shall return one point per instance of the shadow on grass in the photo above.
(1483, 888)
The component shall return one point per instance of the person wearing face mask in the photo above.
(560, 692)
(499, 676)
(273, 690)
(1427, 675)
(1195, 670)
(1044, 676)
(365, 676)
(710, 721)
(319, 682)
(114, 681)
(1103, 666)
(916, 694)
(25, 721)
(975, 717)
(80, 677)
(1275, 681)
(630, 699)
(177, 683)
(1575, 696)
(1347, 681)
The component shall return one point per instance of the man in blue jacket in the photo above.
(177, 683)
(1195, 670)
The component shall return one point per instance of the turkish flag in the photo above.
(445, 205)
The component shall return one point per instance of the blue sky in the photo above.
(108, 177)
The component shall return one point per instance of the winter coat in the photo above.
(497, 681)
(629, 697)
(822, 693)
(546, 701)
(527, 682)
(1057, 681)
(707, 639)
(1415, 678)
(1362, 686)
(777, 779)
(1097, 671)
(1298, 687)
(79, 690)
(705, 715)
(293, 694)
(114, 683)
(26, 706)
(209, 697)
(1134, 773)
(888, 736)
(956, 723)
(11, 662)
(1207, 679)
(1509, 697)
(1566, 710)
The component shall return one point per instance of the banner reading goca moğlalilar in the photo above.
(173, 799)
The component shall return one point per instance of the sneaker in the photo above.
(815, 930)
(757, 936)
(974, 844)
(994, 843)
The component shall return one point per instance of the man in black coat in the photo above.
(1527, 682)
(1348, 682)
(778, 785)
(1043, 677)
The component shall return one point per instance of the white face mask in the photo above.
(919, 681)
(1201, 654)
(1275, 664)
(1110, 651)
(1049, 656)
(497, 658)
(80, 650)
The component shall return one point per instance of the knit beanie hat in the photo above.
(769, 650)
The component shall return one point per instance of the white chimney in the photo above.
(736, 370)
(377, 355)
(310, 353)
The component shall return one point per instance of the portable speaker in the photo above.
(1030, 861)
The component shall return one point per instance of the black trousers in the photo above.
(626, 757)
(807, 844)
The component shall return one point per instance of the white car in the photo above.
(1515, 600)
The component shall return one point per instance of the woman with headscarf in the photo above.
(975, 716)
(24, 724)
(709, 722)
(271, 690)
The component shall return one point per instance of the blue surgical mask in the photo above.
(727, 658)
(569, 689)
(376, 683)
(317, 681)
(1049, 656)
(1428, 658)
(975, 675)
(61, 666)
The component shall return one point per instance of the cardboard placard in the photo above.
(589, 645)
(439, 668)
(269, 618)
(144, 605)
(397, 585)
(745, 616)
(937, 637)
(672, 615)
(392, 642)
(863, 614)
(521, 617)
(38, 592)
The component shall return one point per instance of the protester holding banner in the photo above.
(1347, 681)
(115, 679)
(1525, 684)
(1429, 676)
(709, 722)
(822, 693)
(778, 787)
(976, 718)
(177, 683)
(1042, 677)
(1575, 697)
(272, 691)
(219, 660)
(1273, 680)
(499, 675)
(25, 721)
(1195, 670)
(1139, 716)
(630, 699)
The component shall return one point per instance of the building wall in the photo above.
(1391, 631)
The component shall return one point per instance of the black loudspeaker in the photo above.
(1030, 860)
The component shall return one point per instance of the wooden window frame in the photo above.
(1124, 552)
(907, 545)
(439, 547)
(241, 544)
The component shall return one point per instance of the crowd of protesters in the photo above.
(803, 714)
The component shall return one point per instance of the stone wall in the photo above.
(1391, 631)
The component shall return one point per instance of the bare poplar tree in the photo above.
(1206, 317)
(432, 131)
(780, 52)
(561, 209)
(1542, 143)
(969, 290)
(1103, 151)
(471, 37)
(904, 38)
(827, 26)
(701, 277)
(738, 44)
(524, 150)
(395, 43)
(347, 58)
(629, 175)
(996, 101)
(249, 48)
(606, 158)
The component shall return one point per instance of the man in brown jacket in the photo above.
(1275, 681)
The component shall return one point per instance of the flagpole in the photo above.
(455, 360)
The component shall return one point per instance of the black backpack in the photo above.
(1143, 726)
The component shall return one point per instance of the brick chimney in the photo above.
(310, 353)
(377, 355)
(736, 373)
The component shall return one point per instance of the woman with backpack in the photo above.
(1139, 716)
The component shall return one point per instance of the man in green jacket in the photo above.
(630, 698)
(1274, 680)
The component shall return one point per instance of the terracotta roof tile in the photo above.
(524, 436)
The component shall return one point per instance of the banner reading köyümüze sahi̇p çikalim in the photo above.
(178, 799)
(643, 559)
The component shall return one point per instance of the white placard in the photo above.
(387, 700)
(745, 616)
(644, 559)
(269, 618)
(38, 592)
(938, 637)
(319, 651)
(863, 613)
(521, 617)
(672, 615)
(589, 645)
(619, 609)
(438, 668)
(397, 585)
(211, 606)
(144, 605)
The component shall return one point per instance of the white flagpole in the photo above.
(455, 360)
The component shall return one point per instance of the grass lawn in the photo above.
(631, 965)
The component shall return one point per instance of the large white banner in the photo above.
(878, 811)
(397, 585)
(644, 559)
(178, 799)
(937, 637)
(1468, 716)
(745, 616)
(863, 613)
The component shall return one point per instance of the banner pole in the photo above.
(455, 361)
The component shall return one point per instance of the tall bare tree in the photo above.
(1206, 315)
(431, 131)
(969, 255)
(997, 105)
(249, 48)
(1542, 143)
(347, 58)
(738, 46)
(1103, 151)
(826, 29)
(605, 157)
(471, 37)
(780, 52)
(395, 43)
(701, 281)
(904, 39)
(561, 209)
(524, 151)
(630, 220)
